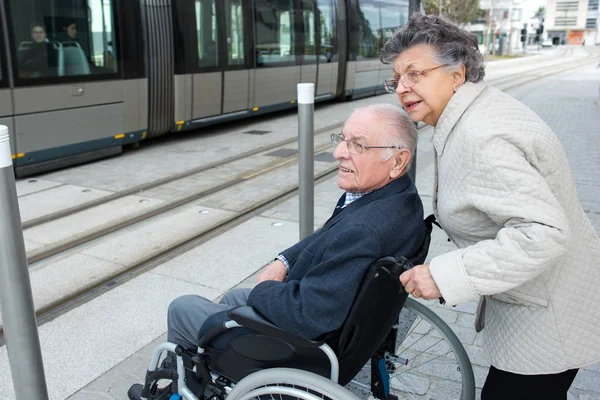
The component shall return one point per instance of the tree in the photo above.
(540, 13)
(459, 11)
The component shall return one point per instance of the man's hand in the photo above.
(419, 283)
(276, 271)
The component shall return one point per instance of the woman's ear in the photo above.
(459, 77)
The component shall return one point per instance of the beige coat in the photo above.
(505, 196)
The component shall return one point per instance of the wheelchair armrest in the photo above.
(250, 318)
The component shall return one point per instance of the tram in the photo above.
(80, 79)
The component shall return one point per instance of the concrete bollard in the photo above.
(18, 313)
(306, 139)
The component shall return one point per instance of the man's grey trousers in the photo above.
(187, 314)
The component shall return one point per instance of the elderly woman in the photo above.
(505, 196)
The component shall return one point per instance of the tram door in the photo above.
(212, 58)
(235, 55)
(328, 48)
(277, 30)
(319, 60)
(157, 22)
(6, 110)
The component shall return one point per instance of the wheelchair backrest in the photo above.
(375, 310)
(373, 313)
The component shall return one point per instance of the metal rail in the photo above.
(63, 305)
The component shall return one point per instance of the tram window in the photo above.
(275, 28)
(369, 28)
(326, 19)
(310, 34)
(66, 38)
(235, 32)
(206, 25)
(393, 15)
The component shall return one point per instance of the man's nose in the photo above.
(341, 151)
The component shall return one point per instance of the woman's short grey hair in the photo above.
(453, 46)
(400, 131)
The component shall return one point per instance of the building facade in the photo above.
(572, 22)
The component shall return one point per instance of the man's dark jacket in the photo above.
(327, 267)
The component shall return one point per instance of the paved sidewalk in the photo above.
(109, 339)
(575, 117)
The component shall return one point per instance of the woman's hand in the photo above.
(419, 283)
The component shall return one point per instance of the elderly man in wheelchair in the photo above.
(324, 305)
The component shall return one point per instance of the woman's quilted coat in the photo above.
(505, 196)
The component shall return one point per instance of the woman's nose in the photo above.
(401, 89)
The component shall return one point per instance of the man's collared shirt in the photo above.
(350, 197)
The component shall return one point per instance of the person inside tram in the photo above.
(69, 33)
(40, 59)
(308, 289)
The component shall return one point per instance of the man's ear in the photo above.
(400, 163)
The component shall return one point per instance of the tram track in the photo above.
(169, 179)
(85, 293)
(101, 231)
(541, 70)
(60, 306)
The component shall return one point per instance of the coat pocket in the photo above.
(532, 293)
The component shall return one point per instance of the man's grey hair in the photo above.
(452, 45)
(399, 130)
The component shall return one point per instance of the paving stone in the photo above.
(466, 320)
(587, 380)
(448, 315)
(444, 390)
(480, 374)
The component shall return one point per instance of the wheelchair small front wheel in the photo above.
(293, 383)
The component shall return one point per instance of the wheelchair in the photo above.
(248, 357)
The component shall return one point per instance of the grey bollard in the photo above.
(18, 313)
(306, 138)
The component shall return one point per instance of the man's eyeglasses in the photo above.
(353, 146)
(408, 79)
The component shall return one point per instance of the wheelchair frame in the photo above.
(187, 393)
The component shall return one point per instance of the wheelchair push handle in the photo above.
(405, 265)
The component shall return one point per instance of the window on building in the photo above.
(206, 27)
(590, 23)
(369, 29)
(235, 32)
(593, 5)
(67, 38)
(274, 24)
(565, 21)
(567, 6)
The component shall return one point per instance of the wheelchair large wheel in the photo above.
(287, 383)
(430, 362)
